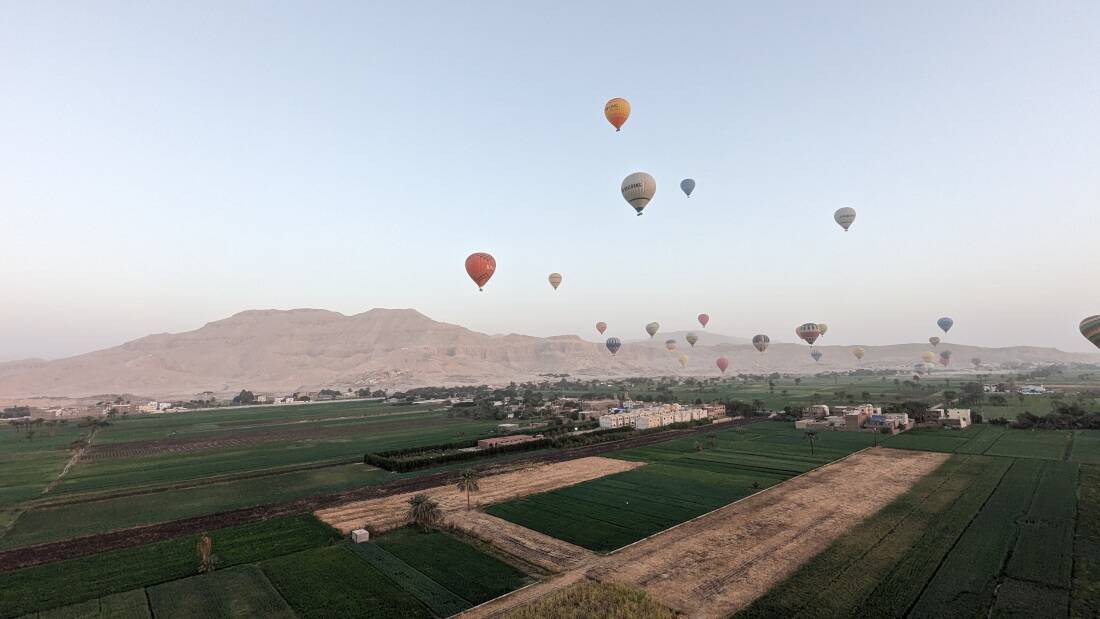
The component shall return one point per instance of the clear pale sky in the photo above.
(162, 166)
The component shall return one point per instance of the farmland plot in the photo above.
(241, 591)
(128, 605)
(1086, 545)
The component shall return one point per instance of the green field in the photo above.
(241, 591)
(996, 440)
(680, 482)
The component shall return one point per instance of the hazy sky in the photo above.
(162, 166)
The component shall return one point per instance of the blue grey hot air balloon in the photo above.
(688, 185)
(613, 345)
(945, 323)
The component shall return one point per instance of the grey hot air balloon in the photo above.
(688, 185)
(761, 341)
(652, 328)
(638, 190)
(691, 339)
(613, 344)
(816, 354)
(845, 216)
(945, 323)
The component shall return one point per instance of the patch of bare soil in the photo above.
(533, 547)
(719, 563)
(389, 512)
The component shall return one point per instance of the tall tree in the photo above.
(424, 512)
(468, 482)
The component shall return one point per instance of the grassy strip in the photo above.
(1026, 600)
(1085, 601)
(458, 566)
(332, 582)
(1044, 549)
(435, 596)
(593, 600)
(128, 605)
(241, 591)
(65, 582)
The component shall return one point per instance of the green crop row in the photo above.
(1086, 547)
(241, 591)
(435, 596)
(1044, 549)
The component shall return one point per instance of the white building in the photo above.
(951, 417)
(155, 407)
(652, 417)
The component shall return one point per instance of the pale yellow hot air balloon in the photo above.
(928, 356)
(823, 328)
(858, 351)
(691, 339)
(555, 280)
(683, 359)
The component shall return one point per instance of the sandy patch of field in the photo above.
(719, 563)
(547, 552)
(389, 512)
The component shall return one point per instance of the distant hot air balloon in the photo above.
(691, 339)
(919, 368)
(934, 341)
(617, 111)
(845, 216)
(945, 357)
(652, 328)
(816, 354)
(760, 342)
(928, 356)
(704, 319)
(638, 190)
(613, 344)
(683, 359)
(859, 351)
(916, 377)
(480, 267)
(945, 323)
(722, 363)
(808, 332)
(601, 326)
(823, 328)
(555, 280)
(1090, 328)
(670, 345)
(688, 186)
(976, 361)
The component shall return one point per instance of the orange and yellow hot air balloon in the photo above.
(617, 111)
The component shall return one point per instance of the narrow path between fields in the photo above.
(77, 455)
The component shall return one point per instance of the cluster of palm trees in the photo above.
(425, 512)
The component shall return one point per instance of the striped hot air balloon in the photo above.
(616, 111)
(722, 363)
(613, 345)
(1090, 328)
(555, 280)
(691, 339)
(652, 328)
(601, 326)
(480, 267)
(760, 342)
(808, 332)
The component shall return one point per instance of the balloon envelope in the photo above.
(928, 356)
(1090, 328)
(760, 342)
(816, 354)
(823, 328)
(704, 319)
(859, 351)
(613, 344)
(683, 359)
(670, 345)
(691, 339)
(652, 328)
(945, 323)
(601, 326)
(934, 341)
(555, 280)
(616, 111)
(722, 363)
(845, 216)
(808, 332)
(945, 357)
(688, 186)
(638, 190)
(480, 267)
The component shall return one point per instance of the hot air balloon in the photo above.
(845, 216)
(613, 344)
(638, 190)
(652, 328)
(928, 356)
(761, 342)
(704, 319)
(823, 328)
(555, 280)
(945, 323)
(1090, 328)
(722, 363)
(934, 341)
(480, 267)
(816, 354)
(809, 332)
(601, 326)
(919, 368)
(670, 345)
(683, 359)
(688, 186)
(617, 111)
(859, 351)
(977, 361)
(691, 339)
(916, 377)
(945, 357)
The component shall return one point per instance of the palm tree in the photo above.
(423, 511)
(468, 483)
(811, 435)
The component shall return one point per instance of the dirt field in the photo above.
(533, 547)
(389, 512)
(717, 564)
